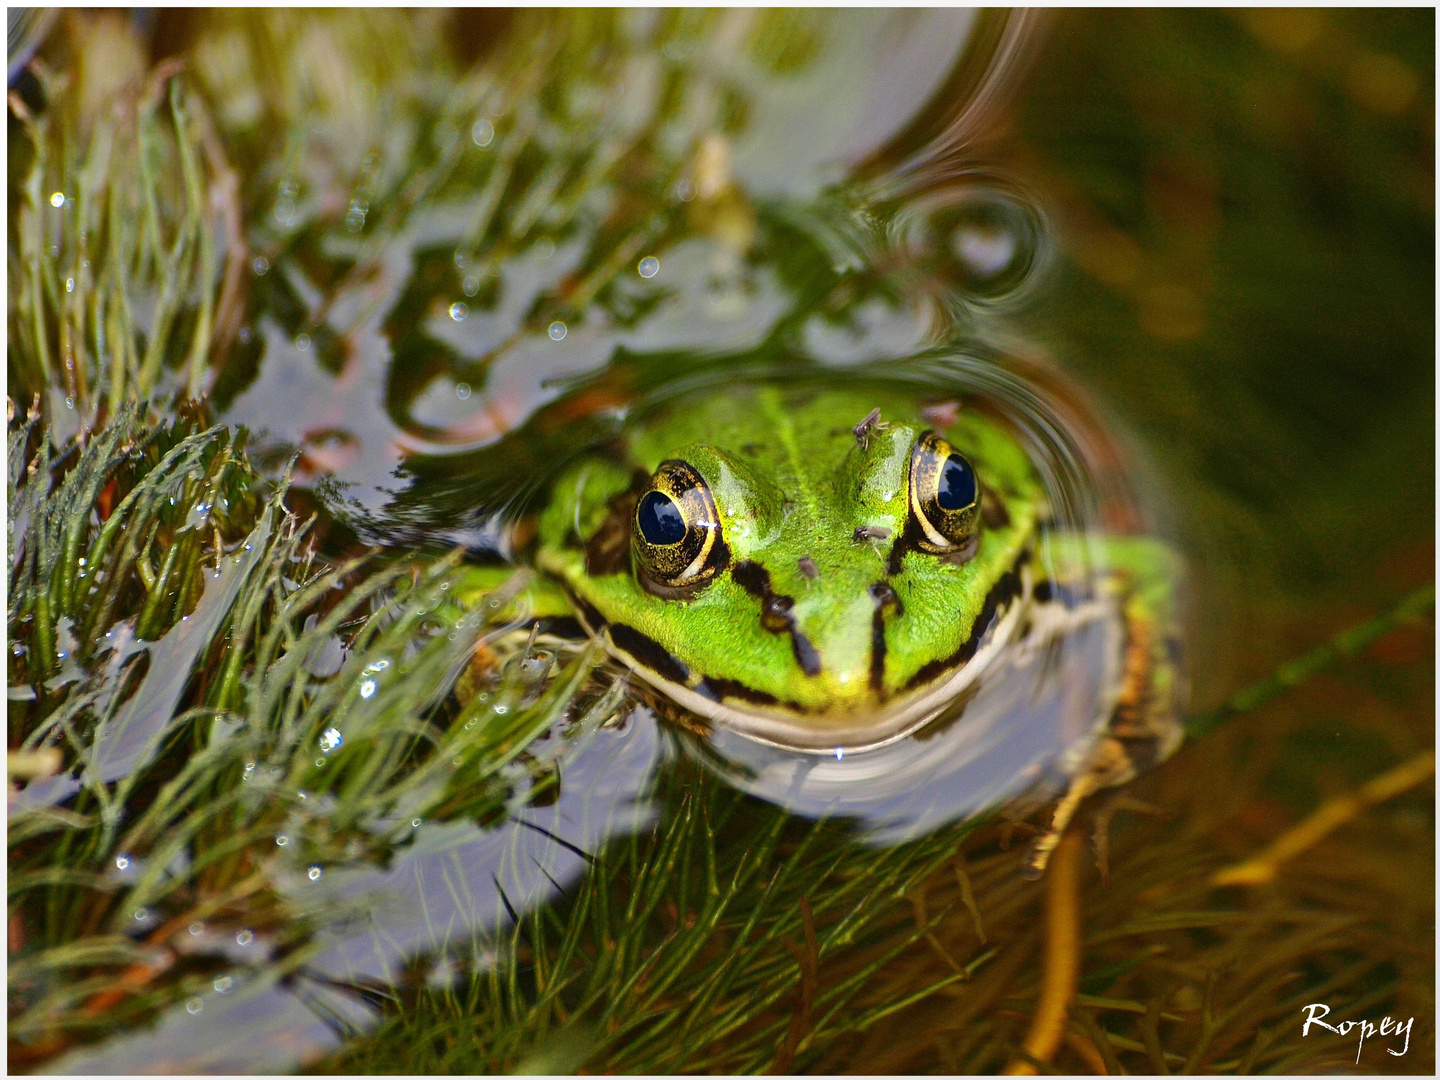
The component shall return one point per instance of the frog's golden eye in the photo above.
(676, 535)
(944, 499)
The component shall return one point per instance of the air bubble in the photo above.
(471, 286)
(193, 1006)
(557, 331)
(122, 862)
(302, 342)
(649, 266)
(261, 266)
(415, 823)
(69, 284)
(197, 928)
(223, 984)
(244, 937)
(544, 248)
(367, 688)
(141, 914)
(281, 840)
(330, 738)
(483, 133)
(57, 199)
(458, 311)
(314, 873)
(462, 391)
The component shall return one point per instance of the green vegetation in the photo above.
(177, 618)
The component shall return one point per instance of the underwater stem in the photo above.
(1347, 643)
(1062, 956)
(1330, 816)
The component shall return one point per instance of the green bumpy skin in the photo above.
(790, 481)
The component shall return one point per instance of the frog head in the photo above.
(796, 565)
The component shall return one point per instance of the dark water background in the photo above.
(1219, 225)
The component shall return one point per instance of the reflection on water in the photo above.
(636, 208)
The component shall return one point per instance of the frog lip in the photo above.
(850, 732)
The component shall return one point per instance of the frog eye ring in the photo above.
(676, 535)
(944, 499)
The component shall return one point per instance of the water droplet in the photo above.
(367, 688)
(557, 331)
(193, 1006)
(223, 984)
(314, 873)
(458, 311)
(57, 200)
(483, 133)
(649, 266)
(197, 928)
(69, 284)
(462, 391)
(284, 210)
(244, 937)
(261, 265)
(302, 342)
(330, 738)
(122, 862)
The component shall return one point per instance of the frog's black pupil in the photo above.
(660, 520)
(957, 484)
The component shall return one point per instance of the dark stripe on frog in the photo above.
(1048, 591)
(776, 613)
(563, 626)
(886, 602)
(719, 689)
(1001, 593)
(650, 653)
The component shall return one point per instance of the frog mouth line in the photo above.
(767, 719)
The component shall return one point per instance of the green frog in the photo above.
(825, 570)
